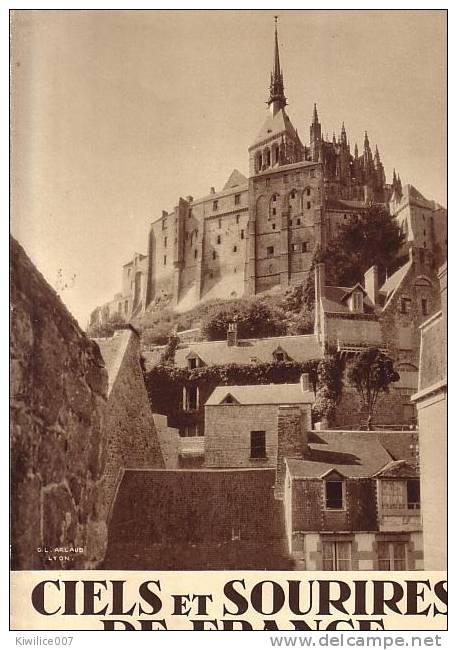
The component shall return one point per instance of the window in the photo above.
(304, 247)
(191, 398)
(424, 306)
(218, 239)
(215, 204)
(164, 260)
(336, 556)
(292, 194)
(190, 431)
(214, 255)
(280, 357)
(189, 214)
(357, 301)
(165, 242)
(273, 212)
(294, 248)
(192, 363)
(405, 305)
(334, 495)
(413, 492)
(298, 222)
(392, 556)
(308, 205)
(270, 251)
(274, 197)
(195, 253)
(242, 234)
(237, 199)
(164, 224)
(273, 225)
(235, 249)
(392, 495)
(219, 223)
(258, 448)
(308, 191)
(238, 218)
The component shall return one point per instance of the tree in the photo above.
(329, 386)
(370, 373)
(369, 238)
(255, 319)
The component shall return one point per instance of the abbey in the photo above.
(260, 233)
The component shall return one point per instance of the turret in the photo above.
(343, 136)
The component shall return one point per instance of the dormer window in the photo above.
(215, 205)
(193, 362)
(357, 301)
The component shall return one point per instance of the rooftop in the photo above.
(298, 348)
(275, 125)
(261, 394)
(333, 300)
(354, 454)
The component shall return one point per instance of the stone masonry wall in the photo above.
(58, 397)
(132, 441)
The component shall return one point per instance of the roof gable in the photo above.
(399, 469)
(235, 179)
(229, 399)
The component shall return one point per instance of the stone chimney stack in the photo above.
(372, 284)
(294, 422)
(232, 334)
(212, 190)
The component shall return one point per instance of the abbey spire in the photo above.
(277, 99)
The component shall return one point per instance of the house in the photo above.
(186, 407)
(387, 316)
(241, 422)
(349, 505)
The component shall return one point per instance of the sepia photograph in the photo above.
(228, 291)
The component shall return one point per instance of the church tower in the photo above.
(277, 142)
(284, 196)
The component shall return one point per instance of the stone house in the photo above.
(386, 316)
(349, 505)
(241, 422)
(244, 352)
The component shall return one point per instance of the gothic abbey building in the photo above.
(260, 233)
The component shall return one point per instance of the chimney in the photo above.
(189, 198)
(293, 425)
(304, 382)
(372, 284)
(164, 213)
(232, 334)
(319, 275)
(212, 190)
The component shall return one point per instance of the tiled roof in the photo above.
(298, 348)
(262, 394)
(401, 445)
(275, 124)
(357, 454)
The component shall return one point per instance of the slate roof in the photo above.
(235, 179)
(394, 281)
(262, 394)
(399, 469)
(354, 454)
(275, 124)
(332, 300)
(299, 348)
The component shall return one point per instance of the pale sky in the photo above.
(115, 114)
